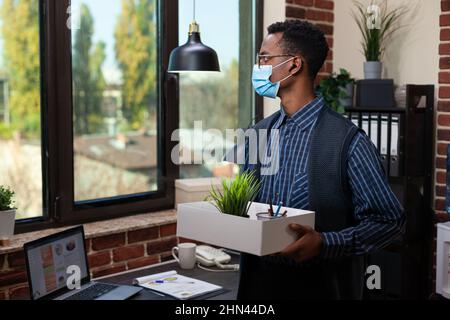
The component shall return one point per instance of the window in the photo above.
(20, 105)
(227, 98)
(105, 102)
(87, 108)
(112, 149)
(115, 98)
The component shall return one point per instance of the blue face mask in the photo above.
(261, 80)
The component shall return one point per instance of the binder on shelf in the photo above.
(374, 132)
(395, 158)
(384, 144)
(365, 124)
(392, 157)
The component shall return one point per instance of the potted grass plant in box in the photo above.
(236, 195)
(7, 213)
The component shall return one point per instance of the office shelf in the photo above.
(404, 138)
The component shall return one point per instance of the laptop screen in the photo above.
(49, 260)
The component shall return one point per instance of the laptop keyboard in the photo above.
(92, 292)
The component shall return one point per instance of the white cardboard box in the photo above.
(201, 221)
(443, 260)
(193, 190)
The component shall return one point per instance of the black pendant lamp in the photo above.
(194, 56)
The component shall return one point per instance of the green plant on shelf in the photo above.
(375, 37)
(236, 195)
(6, 199)
(333, 89)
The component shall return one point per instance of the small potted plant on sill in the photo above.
(377, 25)
(7, 213)
(236, 195)
(337, 90)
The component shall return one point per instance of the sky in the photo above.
(219, 28)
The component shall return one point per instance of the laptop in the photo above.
(58, 270)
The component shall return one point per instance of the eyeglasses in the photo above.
(265, 58)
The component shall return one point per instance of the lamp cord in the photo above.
(194, 11)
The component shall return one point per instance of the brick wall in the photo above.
(321, 13)
(443, 116)
(443, 134)
(107, 255)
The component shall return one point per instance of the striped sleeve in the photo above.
(379, 215)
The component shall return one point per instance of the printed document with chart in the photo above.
(177, 286)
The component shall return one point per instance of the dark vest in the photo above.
(270, 278)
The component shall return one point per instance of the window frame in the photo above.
(57, 125)
(259, 37)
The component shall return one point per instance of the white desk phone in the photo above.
(211, 257)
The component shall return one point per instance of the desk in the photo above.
(228, 280)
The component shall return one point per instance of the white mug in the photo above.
(184, 254)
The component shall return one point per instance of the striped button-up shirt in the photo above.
(376, 208)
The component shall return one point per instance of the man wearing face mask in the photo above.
(326, 165)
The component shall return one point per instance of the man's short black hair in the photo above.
(302, 37)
